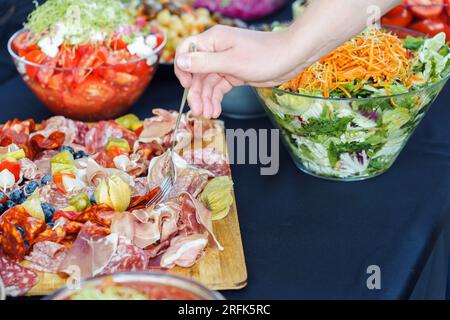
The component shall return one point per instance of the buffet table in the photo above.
(306, 238)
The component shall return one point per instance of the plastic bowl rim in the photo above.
(15, 56)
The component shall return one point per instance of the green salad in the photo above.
(350, 123)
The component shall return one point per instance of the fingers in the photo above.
(205, 62)
(206, 94)
(209, 83)
(219, 91)
(195, 95)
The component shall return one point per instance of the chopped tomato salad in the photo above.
(425, 16)
(94, 73)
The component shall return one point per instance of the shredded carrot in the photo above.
(375, 57)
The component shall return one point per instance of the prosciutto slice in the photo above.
(145, 227)
(89, 255)
(184, 251)
(157, 127)
(188, 178)
(95, 172)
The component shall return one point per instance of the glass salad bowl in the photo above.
(136, 286)
(88, 93)
(358, 139)
(347, 139)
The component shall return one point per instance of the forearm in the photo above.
(326, 24)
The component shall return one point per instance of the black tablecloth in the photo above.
(309, 238)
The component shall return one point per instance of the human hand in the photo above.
(228, 57)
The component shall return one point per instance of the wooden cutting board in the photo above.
(218, 270)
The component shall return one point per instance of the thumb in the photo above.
(204, 62)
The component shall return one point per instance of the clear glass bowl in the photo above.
(2, 290)
(160, 285)
(360, 138)
(88, 94)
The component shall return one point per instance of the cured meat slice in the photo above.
(97, 136)
(54, 141)
(127, 257)
(15, 244)
(157, 127)
(74, 131)
(145, 227)
(16, 131)
(202, 217)
(187, 177)
(89, 255)
(184, 251)
(46, 256)
(17, 279)
(209, 159)
(11, 240)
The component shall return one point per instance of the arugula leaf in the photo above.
(413, 43)
(329, 127)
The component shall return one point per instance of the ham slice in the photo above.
(145, 227)
(46, 256)
(202, 218)
(95, 172)
(155, 128)
(184, 251)
(188, 178)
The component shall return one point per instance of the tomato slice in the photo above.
(56, 82)
(87, 60)
(394, 12)
(23, 44)
(426, 8)
(11, 166)
(44, 74)
(116, 151)
(118, 60)
(447, 8)
(68, 57)
(58, 179)
(401, 18)
(117, 43)
(431, 26)
(95, 89)
(35, 56)
(142, 68)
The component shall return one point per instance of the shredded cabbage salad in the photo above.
(352, 139)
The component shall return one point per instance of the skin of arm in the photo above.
(228, 57)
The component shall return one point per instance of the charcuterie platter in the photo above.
(74, 198)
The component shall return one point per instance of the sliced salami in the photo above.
(127, 257)
(17, 279)
(46, 256)
(97, 136)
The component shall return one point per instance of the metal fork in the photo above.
(166, 185)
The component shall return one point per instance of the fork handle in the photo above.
(192, 48)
